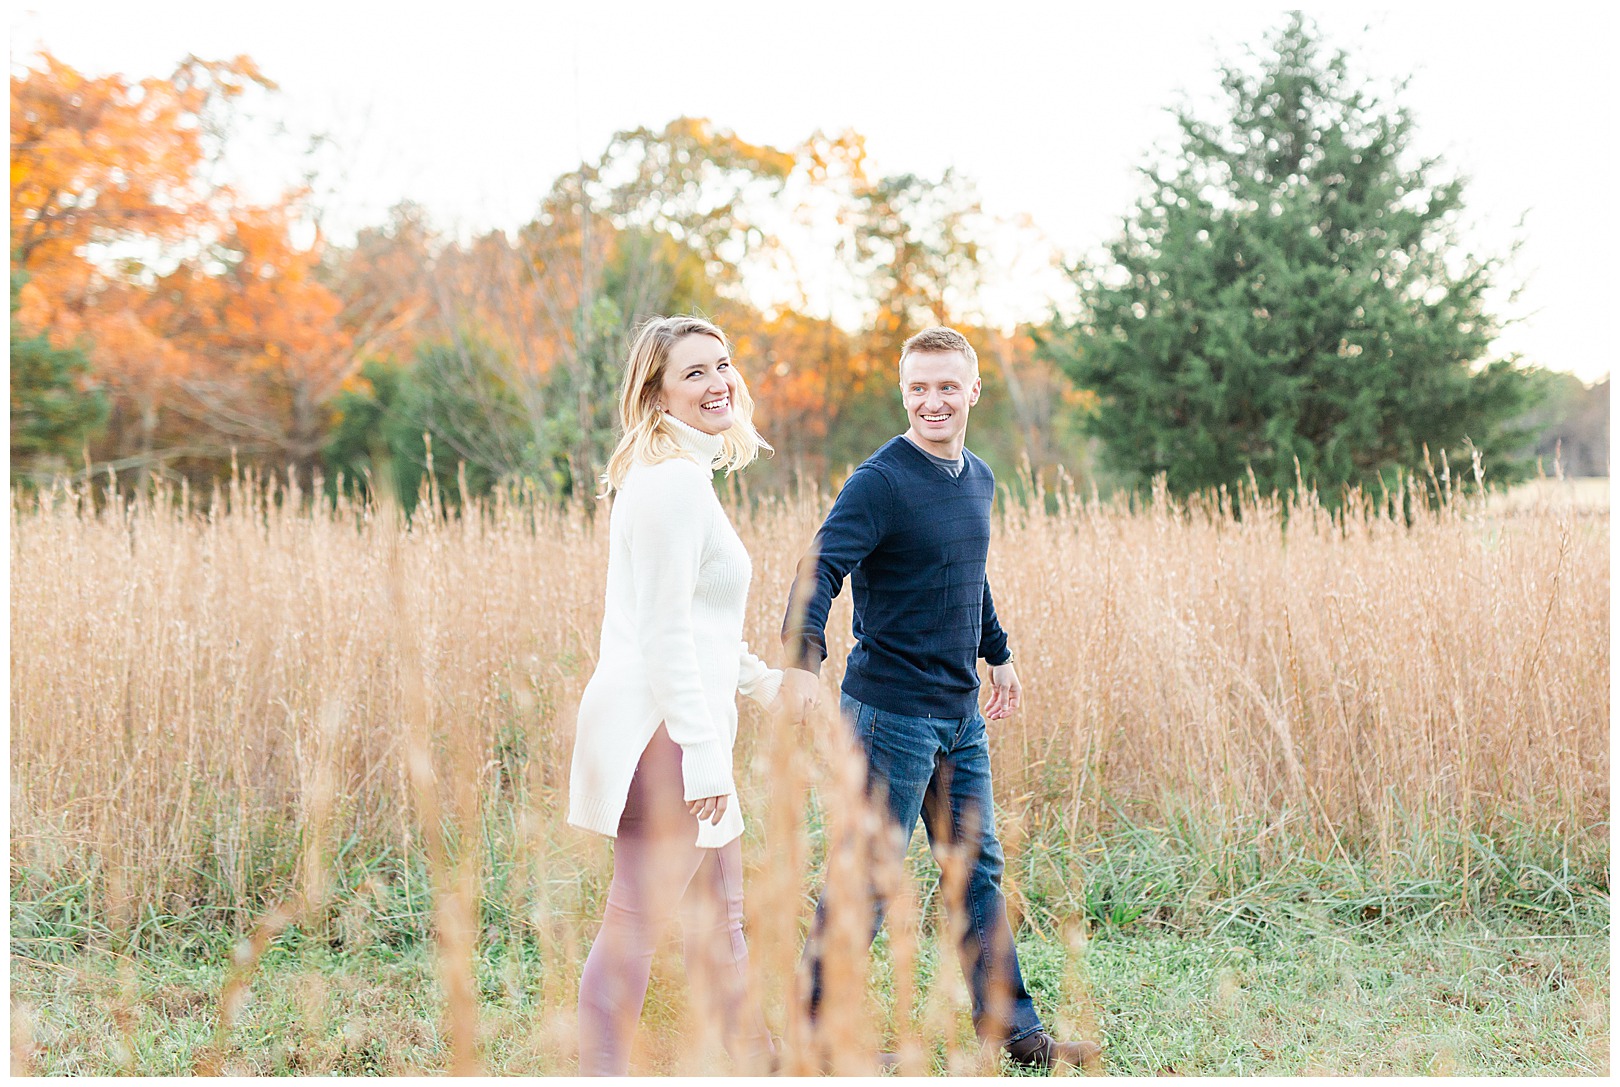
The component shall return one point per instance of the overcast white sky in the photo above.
(473, 108)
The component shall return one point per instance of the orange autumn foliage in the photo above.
(387, 281)
(105, 173)
(201, 317)
(98, 159)
(262, 335)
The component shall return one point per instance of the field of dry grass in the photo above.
(1590, 494)
(247, 715)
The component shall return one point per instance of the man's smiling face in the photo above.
(938, 388)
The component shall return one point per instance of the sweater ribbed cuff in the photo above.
(765, 689)
(706, 769)
(594, 813)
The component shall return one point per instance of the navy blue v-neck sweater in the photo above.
(913, 542)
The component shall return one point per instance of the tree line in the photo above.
(1288, 300)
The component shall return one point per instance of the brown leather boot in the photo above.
(1041, 1050)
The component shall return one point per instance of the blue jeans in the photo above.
(938, 768)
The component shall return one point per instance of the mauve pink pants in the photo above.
(657, 872)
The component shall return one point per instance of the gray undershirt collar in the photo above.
(952, 468)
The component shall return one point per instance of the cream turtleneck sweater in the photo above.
(672, 651)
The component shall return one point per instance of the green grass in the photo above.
(1183, 950)
(1466, 1001)
(1470, 998)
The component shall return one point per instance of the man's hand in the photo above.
(1006, 695)
(801, 693)
(708, 807)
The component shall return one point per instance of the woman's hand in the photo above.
(708, 807)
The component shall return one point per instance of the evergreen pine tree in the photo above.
(1292, 288)
(54, 411)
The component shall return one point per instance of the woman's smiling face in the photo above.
(699, 383)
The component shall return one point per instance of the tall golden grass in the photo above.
(225, 708)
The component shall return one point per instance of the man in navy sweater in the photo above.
(911, 530)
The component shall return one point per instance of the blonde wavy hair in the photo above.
(648, 437)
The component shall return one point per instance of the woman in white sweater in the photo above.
(652, 761)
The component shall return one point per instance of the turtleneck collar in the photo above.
(701, 447)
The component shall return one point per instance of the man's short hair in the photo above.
(941, 339)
